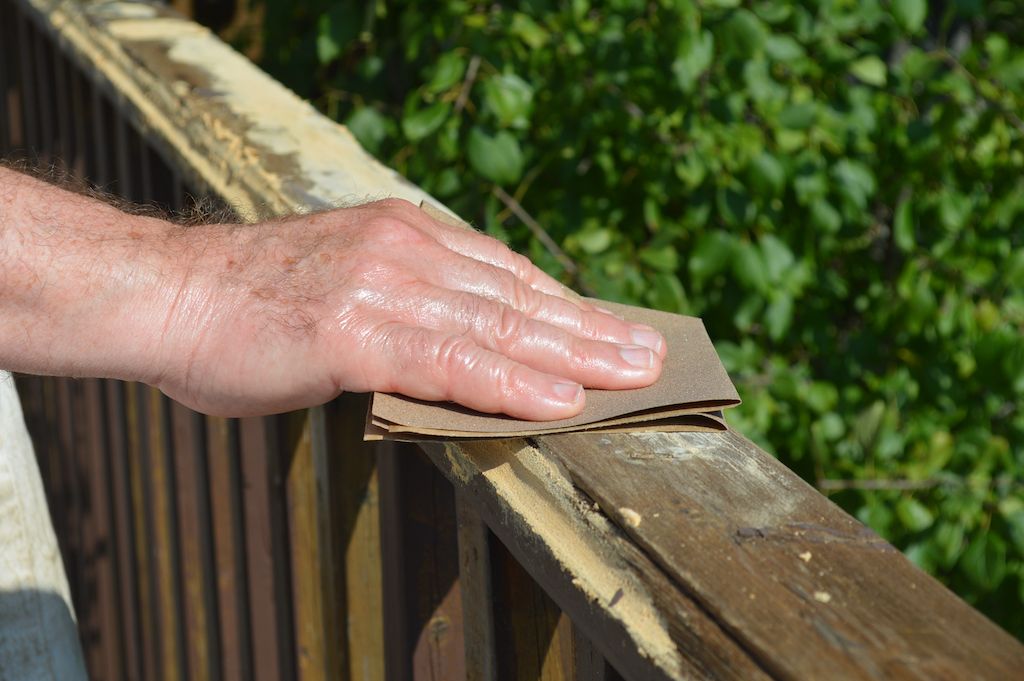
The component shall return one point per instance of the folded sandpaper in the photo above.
(689, 396)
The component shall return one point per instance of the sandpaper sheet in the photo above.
(690, 394)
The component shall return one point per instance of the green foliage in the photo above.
(835, 186)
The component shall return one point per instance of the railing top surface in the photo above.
(681, 554)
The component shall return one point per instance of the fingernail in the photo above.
(568, 392)
(647, 337)
(641, 358)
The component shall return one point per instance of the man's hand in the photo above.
(383, 297)
(247, 320)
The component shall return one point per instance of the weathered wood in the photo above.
(646, 627)
(477, 591)
(163, 542)
(129, 636)
(533, 638)
(349, 467)
(311, 565)
(99, 537)
(808, 590)
(142, 523)
(226, 510)
(270, 605)
(422, 600)
(195, 540)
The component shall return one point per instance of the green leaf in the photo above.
(825, 217)
(448, 71)
(529, 31)
(778, 259)
(783, 48)
(666, 293)
(779, 316)
(663, 258)
(370, 127)
(767, 175)
(418, 124)
(694, 55)
(855, 181)
(335, 30)
(869, 69)
(594, 240)
(903, 226)
(799, 116)
(510, 99)
(711, 255)
(743, 34)
(910, 14)
(914, 515)
(984, 561)
(497, 158)
(749, 269)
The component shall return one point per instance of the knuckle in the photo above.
(454, 356)
(522, 296)
(519, 264)
(509, 326)
(395, 232)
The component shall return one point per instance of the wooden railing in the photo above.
(285, 547)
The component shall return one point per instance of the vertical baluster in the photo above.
(350, 467)
(422, 601)
(102, 618)
(6, 78)
(60, 99)
(166, 559)
(144, 525)
(227, 511)
(534, 638)
(190, 467)
(100, 161)
(477, 591)
(44, 88)
(312, 589)
(129, 635)
(266, 543)
(80, 114)
(126, 185)
(28, 87)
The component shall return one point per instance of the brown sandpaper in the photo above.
(690, 394)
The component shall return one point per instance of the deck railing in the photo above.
(285, 547)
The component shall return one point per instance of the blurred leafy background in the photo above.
(835, 186)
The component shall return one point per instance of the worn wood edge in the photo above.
(218, 117)
(752, 466)
(645, 627)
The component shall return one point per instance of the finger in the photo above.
(437, 366)
(499, 328)
(476, 277)
(466, 241)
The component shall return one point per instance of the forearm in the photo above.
(81, 283)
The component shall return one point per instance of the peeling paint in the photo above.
(272, 121)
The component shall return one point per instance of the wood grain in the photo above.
(805, 588)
